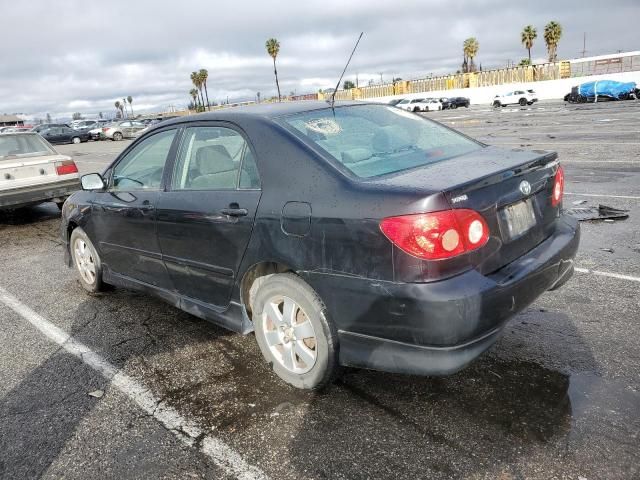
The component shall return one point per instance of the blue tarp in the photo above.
(609, 88)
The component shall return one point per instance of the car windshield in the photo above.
(373, 140)
(23, 145)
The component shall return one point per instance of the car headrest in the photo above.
(390, 139)
(214, 159)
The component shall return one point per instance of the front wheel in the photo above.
(453, 106)
(294, 331)
(523, 102)
(86, 261)
(496, 104)
(117, 136)
(76, 140)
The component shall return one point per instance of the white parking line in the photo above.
(608, 274)
(629, 197)
(187, 430)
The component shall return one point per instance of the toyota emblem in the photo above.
(525, 187)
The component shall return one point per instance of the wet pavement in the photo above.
(557, 397)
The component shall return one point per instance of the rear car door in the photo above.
(205, 218)
(123, 217)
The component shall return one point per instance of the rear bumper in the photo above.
(38, 193)
(438, 328)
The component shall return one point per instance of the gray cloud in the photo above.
(67, 56)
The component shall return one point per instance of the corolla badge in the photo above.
(525, 187)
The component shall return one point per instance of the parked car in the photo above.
(602, 90)
(455, 102)
(431, 104)
(355, 235)
(84, 125)
(57, 135)
(14, 129)
(395, 101)
(515, 97)
(123, 129)
(413, 104)
(31, 172)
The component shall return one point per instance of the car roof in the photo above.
(263, 110)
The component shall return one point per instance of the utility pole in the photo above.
(357, 84)
(380, 78)
(584, 44)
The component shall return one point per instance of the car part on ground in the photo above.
(418, 243)
(601, 212)
(32, 172)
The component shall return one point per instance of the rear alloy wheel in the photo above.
(86, 261)
(523, 102)
(117, 136)
(76, 140)
(294, 332)
(496, 104)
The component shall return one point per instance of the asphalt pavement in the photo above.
(121, 385)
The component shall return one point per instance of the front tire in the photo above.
(117, 136)
(497, 104)
(523, 102)
(76, 140)
(86, 261)
(453, 106)
(294, 332)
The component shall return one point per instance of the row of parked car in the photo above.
(429, 104)
(85, 130)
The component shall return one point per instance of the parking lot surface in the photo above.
(175, 397)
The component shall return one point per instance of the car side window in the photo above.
(209, 159)
(142, 167)
(249, 177)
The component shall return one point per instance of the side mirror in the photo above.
(92, 181)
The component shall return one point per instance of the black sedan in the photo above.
(359, 235)
(63, 134)
(455, 102)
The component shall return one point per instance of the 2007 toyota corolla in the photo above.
(358, 235)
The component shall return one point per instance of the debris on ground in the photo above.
(610, 250)
(579, 202)
(601, 212)
(96, 393)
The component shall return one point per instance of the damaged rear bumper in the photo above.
(438, 328)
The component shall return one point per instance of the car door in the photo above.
(136, 128)
(124, 215)
(205, 218)
(52, 135)
(66, 134)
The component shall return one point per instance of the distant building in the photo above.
(10, 120)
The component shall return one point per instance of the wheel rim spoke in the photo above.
(273, 338)
(288, 356)
(307, 355)
(289, 311)
(274, 314)
(304, 330)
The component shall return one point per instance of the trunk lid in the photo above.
(20, 172)
(489, 181)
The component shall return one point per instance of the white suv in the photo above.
(516, 97)
(413, 104)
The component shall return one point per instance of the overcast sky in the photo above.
(66, 56)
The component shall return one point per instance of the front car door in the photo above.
(206, 217)
(123, 216)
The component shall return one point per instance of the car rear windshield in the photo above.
(374, 140)
(23, 145)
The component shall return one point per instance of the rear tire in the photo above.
(453, 106)
(294, 332)
(86, 261)
(117, 136)
(523, 102)
(416, 109)
(76, 140)
(497, 104)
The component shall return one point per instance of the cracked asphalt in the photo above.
(558, 397)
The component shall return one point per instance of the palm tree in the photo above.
(117, 105)
(204, 75)
(273, 48)
(552, 34)
(130, 100)
(197, 82)
(194, 94)
(470, 48)
(528, 35)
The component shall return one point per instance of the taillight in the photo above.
(66, 167)
(104, 129)
(437, 235)
(558, 187)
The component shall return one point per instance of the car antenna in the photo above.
(333, 95)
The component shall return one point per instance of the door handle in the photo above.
(235, 212)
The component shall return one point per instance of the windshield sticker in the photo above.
(327, 126)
